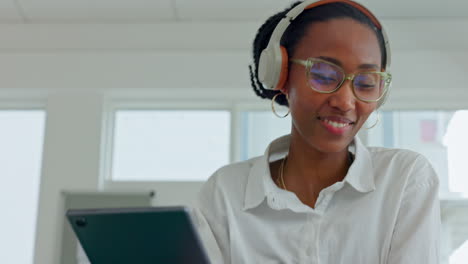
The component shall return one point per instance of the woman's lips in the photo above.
(336, 125)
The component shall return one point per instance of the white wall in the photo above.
(70, 161)
(76, 69)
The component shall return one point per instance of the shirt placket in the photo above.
(310, 243)
(314, 222)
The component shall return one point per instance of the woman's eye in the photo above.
(363, 86)
(323, 78)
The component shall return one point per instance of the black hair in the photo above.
(296, 30)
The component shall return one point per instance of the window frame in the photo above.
(112, 106)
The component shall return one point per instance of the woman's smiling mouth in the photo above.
(336, 125)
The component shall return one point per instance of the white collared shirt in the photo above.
(385, 211)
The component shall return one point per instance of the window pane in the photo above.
(259, 129)
(21, 141)
(154, 145)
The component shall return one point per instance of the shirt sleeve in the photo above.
(211, 224)
(416, 235)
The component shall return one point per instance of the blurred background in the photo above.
(119, 102)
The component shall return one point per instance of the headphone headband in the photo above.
(351, 3)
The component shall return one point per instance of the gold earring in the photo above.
(375, 124)
(273, 100)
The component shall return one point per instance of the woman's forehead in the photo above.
(342, 38)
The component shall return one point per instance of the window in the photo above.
(259, 128)
(21, 140)
(159, 145)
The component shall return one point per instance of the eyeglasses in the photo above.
(326, 77)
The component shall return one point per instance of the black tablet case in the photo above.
(138, 235)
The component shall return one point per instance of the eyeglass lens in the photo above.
(324, 77)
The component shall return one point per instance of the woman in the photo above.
(319, 195)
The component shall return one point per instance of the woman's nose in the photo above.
(343, 99)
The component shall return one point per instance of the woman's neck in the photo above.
(307, 170)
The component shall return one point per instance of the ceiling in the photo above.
(154, 11)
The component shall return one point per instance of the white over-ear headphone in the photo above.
(273, 64)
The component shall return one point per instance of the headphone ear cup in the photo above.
(273, 67)
(283, 75)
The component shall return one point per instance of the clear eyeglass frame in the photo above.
(310, 62)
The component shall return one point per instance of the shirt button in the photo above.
(273, 203)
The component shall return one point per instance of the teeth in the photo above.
(336, 124)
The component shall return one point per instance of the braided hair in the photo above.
(294, 33)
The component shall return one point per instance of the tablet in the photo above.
(138, 235)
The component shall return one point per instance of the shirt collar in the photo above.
(361, 173)
(259, 184)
